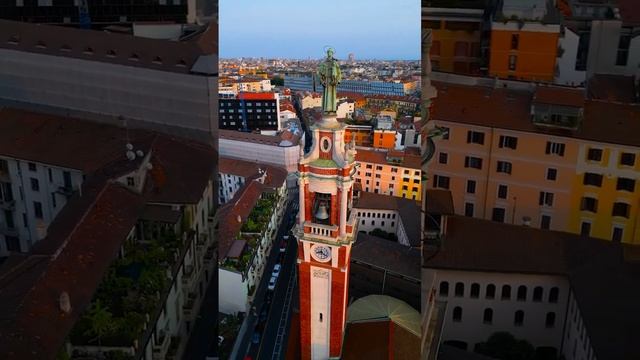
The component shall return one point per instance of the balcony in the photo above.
(65, 190)
(162, 347)
(7, 204)
(8, 231)
(4, 175)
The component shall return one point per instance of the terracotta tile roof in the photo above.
(411, 99)
(249, 137)
(559, 96)
(256, 96)
(629, 12)
(439, 202)
(172, 56)
(33, 326)
(160, 213)
(236, 209)
(592, 266)
(380, 157)
(381, 339)
(612, 88)
(276, 176)
(350, 95)
(388, 255)
(510, 109)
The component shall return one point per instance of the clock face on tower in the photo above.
(321, 253)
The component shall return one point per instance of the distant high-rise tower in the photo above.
(352, 58)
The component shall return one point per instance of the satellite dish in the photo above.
(131, 155)
(139, 153)
(129, 146)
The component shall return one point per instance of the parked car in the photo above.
(286, 238)
(220, 340)
(283, 246)
(272, 283)
(255, 338)
(263, 314)
(276, 270)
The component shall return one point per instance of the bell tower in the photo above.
(325, 229)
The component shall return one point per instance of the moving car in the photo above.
(276, 270)
(272, 283)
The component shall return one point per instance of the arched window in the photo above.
(522, 293)
(444, 288)
(553, 294)
(457, 314)
(519, 318)
(550, 321)
(506, 292)
(537, 294)
(459, 289)
(491, 291)
(475, 290)
(488, 316)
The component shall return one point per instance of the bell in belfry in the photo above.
(322, 211)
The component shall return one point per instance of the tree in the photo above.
(101, 322)
(504, 346)
(277, 81)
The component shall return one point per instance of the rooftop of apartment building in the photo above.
(539, 11)
(267, 95)
(388, 255)
(602, 273)
(408, 210)
(275, 176)
(389, 157)
(192, 55)
(284, 139)
(87, 234)
(614, 89)
(507, 108)
(411, 99)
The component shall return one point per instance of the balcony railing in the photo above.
(8, 231)
(161, 347)
(7, 204)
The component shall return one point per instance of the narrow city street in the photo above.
(262, 317)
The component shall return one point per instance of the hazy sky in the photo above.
(371, 29)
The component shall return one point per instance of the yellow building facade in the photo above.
(389, 172)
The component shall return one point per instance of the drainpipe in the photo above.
(486, 186)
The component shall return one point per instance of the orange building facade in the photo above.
(389, 172)
(524, 51)
(384, 139)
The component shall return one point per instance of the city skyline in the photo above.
(379, 32)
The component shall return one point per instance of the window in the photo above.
(555, 148)
(13, 243)
(435, 48)
(628, 159)
(37, 209)
(623, 50)
(545, 222)
(459, 292)
(475, 291)
(445, 131)
(522, 293)
(626, 184)
(50, 175)
(617, 234)
(490, 293)
(441, 182)
(498, 214)
(518, 319)
(589, 204)
(515, 39)
(620, 209)
(472, 162)
(553, 294)
(443, 158)
(545, 199)
(537, 294)
(513, 59)
(461, 48)
(552, 174)
(502, 191)
(508, 142)
(444, 288)
(585, 228)
(32, 166)
(592, 179)
(506, 292)
(487, 317)
(468, 209)
(471, 186)
(53, 199)
(475, 137)
(550, 320)
(594, 154)
(35, 185)
(457, 314)
(504, 167)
